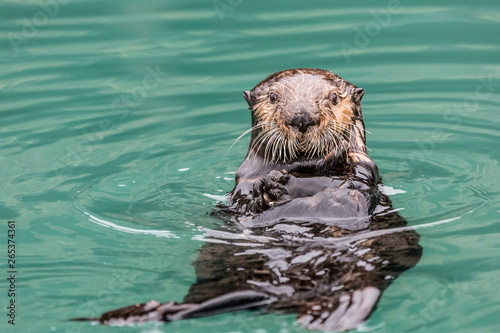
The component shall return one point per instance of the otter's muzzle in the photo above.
(302, 121)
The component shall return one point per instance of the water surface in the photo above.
(115, 118)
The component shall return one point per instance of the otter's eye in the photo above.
(273, 98)
(334, 99)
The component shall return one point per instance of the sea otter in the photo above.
(320, 238)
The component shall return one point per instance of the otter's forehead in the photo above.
(298, 86)
(302, 86)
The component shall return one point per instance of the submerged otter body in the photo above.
(320, 237)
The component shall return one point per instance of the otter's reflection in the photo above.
(330, 276)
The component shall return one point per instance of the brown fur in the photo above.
(316, 242)
(306, 90)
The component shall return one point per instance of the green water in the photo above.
(106, 167)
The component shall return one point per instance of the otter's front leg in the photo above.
(270, 190)
(282, 186)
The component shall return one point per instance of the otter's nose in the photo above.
(302, 121)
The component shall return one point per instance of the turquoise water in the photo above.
(115, 117)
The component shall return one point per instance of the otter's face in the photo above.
(303, 115)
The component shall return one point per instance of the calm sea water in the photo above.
(115, 117)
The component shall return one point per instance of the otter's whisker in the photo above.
(242, 135)
(279, 147)
(348, 123)
(315, 147)
(262, 137)
(291, 148)
(260, 142)
(270, 143)
(268, 138)
(263, 133)
(282, 147)
(337, 141)
(274, 148)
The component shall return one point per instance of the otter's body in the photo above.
(318, 239)
(308, 135)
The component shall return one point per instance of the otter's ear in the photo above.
(248, 96)
(357, 94)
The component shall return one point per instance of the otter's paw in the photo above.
(274, 185)
(258, 203)
(270, 190)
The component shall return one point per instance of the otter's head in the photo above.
(302, 114)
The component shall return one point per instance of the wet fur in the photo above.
(320, 239)
(277, 142)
